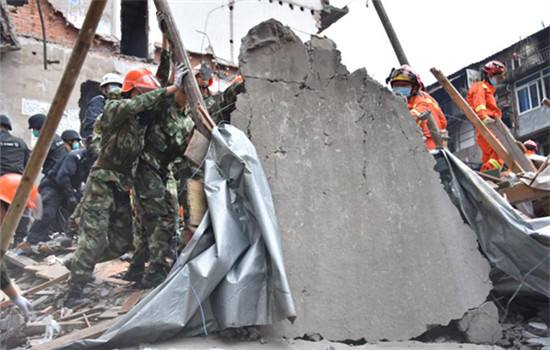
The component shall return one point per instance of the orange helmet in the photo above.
(141, 79)
(8, 187)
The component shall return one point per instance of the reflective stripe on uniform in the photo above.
(480, 107)
(495, 163)
(484, 86)
(415, 112)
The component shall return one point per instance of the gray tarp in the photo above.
(509, 240)
(233, 265)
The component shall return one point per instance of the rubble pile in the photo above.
(41, 272)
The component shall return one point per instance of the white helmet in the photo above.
(111, 78)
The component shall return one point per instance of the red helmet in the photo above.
(8, 187)
(141, 79)
(494, 67)
(531, 145)
(405, 73)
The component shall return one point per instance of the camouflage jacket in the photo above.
(122, 127)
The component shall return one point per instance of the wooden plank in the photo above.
(117, 281)
(109, 268)
(474, 119)
(80, 313)
(37, 328)
(19, 260)
(511, 144)
(196, 201)
(131, 301)
(52, 272)
(92, 332)
(197, 148)
(522, 193)
(38, 288)
(110, 313)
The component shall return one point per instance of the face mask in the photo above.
(405, 91)
(35, 133)
(76, 145)
(493, 81)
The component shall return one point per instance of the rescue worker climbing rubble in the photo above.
(106, 221)
(165, 142)
(8, 187)
(406, 82)
(481, 98)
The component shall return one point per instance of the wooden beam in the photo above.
(511, 144)
(19, 260)
(180, 56)
(474, 119)
(522, 193)
(196, 202)
(92, 332)
(68, 80)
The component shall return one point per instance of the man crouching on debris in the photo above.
(106, 220)
(8, 187)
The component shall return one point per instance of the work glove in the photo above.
(24, 305)
(181, 72)
(162, 23)
(72, 202)
(488, 121)
(403, 97)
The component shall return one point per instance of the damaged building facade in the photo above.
(31, 67)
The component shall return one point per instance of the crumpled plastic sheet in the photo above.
(513, 243)
(542, 181)
(231, 274)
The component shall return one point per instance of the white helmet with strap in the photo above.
(111, 78)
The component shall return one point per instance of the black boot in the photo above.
(152, 279)
(132, 274)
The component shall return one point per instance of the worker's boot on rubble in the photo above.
(132, 274)
(76, 300)
(152, 279)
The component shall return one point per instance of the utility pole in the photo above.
(231, 27)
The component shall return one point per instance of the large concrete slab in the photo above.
(373, 246)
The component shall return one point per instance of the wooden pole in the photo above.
(474, 119)
(391, 33)
(68, 80)
(190, 83)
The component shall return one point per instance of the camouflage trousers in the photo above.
(156, 209)
(105, 229)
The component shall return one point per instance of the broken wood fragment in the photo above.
(19, 260)
(522, 193)
(197, 203)
(132, 300)
(37, 288)
(197, 148)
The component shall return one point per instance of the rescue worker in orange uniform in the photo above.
(406, 82)
(481, 99)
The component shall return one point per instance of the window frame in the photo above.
(537, 80)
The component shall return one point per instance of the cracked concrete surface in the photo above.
(373, 246)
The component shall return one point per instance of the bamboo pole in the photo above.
(68, 80)
(203, 123)
(474, 119)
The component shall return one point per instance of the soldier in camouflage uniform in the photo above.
(156, 207)
(106, 221)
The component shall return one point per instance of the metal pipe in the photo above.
(391, 33)
(66, 85)
(43, 35)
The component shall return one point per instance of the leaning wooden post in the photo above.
(68, 80)
(203, 122)
(474, 119)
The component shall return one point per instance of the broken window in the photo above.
(133, 16)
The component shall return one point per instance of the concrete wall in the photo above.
(373, 246)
